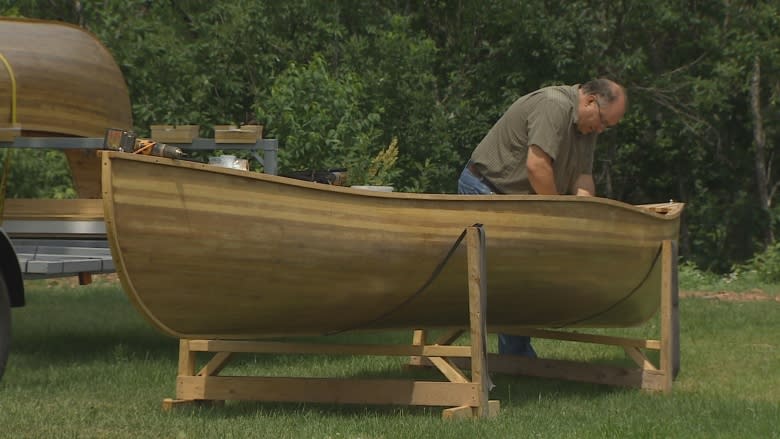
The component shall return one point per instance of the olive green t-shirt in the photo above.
(546, 118)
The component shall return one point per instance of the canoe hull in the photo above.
(206, 252)
(67, 83)
(62, 81)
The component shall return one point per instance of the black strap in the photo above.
(621, 300)
(417, 293)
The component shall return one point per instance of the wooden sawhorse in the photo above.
(646, 375)
(467, 396)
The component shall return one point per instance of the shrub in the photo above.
(766, 264)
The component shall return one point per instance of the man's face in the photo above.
(596, 117)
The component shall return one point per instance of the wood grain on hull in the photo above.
(207, 252)
(66, 84)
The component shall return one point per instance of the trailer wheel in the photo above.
(5, 324)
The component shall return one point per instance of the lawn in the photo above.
(84, 363)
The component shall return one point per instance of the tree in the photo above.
(337, 81)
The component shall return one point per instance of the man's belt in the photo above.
(474, 171)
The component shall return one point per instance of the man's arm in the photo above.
(584, 186)
(540, 171)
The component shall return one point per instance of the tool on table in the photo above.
(127, 141)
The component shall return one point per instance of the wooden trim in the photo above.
(49, 209)
(330, 349)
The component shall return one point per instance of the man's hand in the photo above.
(584, 186)
(540, 171)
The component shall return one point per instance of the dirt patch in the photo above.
(73, 281)
(754, 295)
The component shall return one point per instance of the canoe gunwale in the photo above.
(671, 211)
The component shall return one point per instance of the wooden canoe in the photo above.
(57, 79)
(209, 252)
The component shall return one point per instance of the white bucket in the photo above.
(225, 161)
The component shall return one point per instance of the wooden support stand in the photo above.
(466, 396)
(646, 375)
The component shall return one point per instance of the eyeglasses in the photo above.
(604, 124)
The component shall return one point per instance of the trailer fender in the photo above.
(12, 273)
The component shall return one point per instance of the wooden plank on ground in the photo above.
(326, 390)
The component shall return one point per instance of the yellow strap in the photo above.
(7, 161)
(4, 182)
(13, 87)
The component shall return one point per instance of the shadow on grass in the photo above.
(76, 328)
(513, 392)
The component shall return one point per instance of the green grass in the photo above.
(739, 280)
(84, 363)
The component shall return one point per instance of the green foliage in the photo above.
(690, 277)
(37, 173)
(751, 276)
(336, 81)
(381, 170)
(397, 65)
(318, 114)
(765, 264)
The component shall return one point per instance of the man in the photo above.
(544, 145)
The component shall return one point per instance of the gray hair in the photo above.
(605, 89)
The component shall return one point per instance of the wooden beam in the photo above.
(327, 390)
(639, 358)
(217, 363)
(475, 243)
(169, 404)
(85, 278)
(584, 338)
(466, 412)
(419, 337)
(670, 337)
(186, 358)
(449, 337)
(331, 349)
(449, 370)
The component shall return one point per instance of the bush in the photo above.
(766, 264)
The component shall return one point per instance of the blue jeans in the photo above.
(469, 183)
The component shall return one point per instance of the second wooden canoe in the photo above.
(57, 79)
